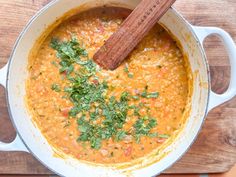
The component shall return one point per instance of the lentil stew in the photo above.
(107, 116)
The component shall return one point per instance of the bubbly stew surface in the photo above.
(106, 116)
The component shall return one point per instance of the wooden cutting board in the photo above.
(215, 147)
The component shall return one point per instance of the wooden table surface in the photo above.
(215, 147)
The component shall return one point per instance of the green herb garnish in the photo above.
(163, 136)
(126, 70)
(91, 103)
(130, 75)
(152, 95)
(143, 127)
(55, 87)
(69, 53)
(120, 135)
(145, 93)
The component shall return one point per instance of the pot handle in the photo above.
(202, 32)
(17, 144)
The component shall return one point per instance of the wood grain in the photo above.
(131, 32)
(215, 147)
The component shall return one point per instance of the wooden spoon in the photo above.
(131, 32)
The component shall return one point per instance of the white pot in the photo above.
(29, 137)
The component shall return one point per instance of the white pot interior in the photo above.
(38, 145)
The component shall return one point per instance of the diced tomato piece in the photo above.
(166, 47)
(161, 140)
(101, 29)
(65, 111)
(64, 73)
(128, 151)
(104, 152)
(79, 156)
(95, 81)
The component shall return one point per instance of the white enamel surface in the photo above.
(3, 75)
(16, 144)
(37, 144)
(202, 33)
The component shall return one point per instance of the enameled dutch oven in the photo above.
(29, 137)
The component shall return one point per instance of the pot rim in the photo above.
(45, 8)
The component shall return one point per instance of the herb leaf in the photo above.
(145, 93)
(163, 136)
(143, 127)
(120, 135)
(153, 95)
(55, 87)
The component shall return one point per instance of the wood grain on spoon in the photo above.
(131, 32)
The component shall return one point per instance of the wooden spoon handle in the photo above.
(131, 32)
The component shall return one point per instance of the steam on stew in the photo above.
(106, 116)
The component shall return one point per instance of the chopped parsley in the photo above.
(69, 52)
(126, 70)
(55, 87)
(152, 95)
(135, 97)
(91, 102)
(163, 136)
(143, 127)
(130, 75)
(145, 93)
(120, 135)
